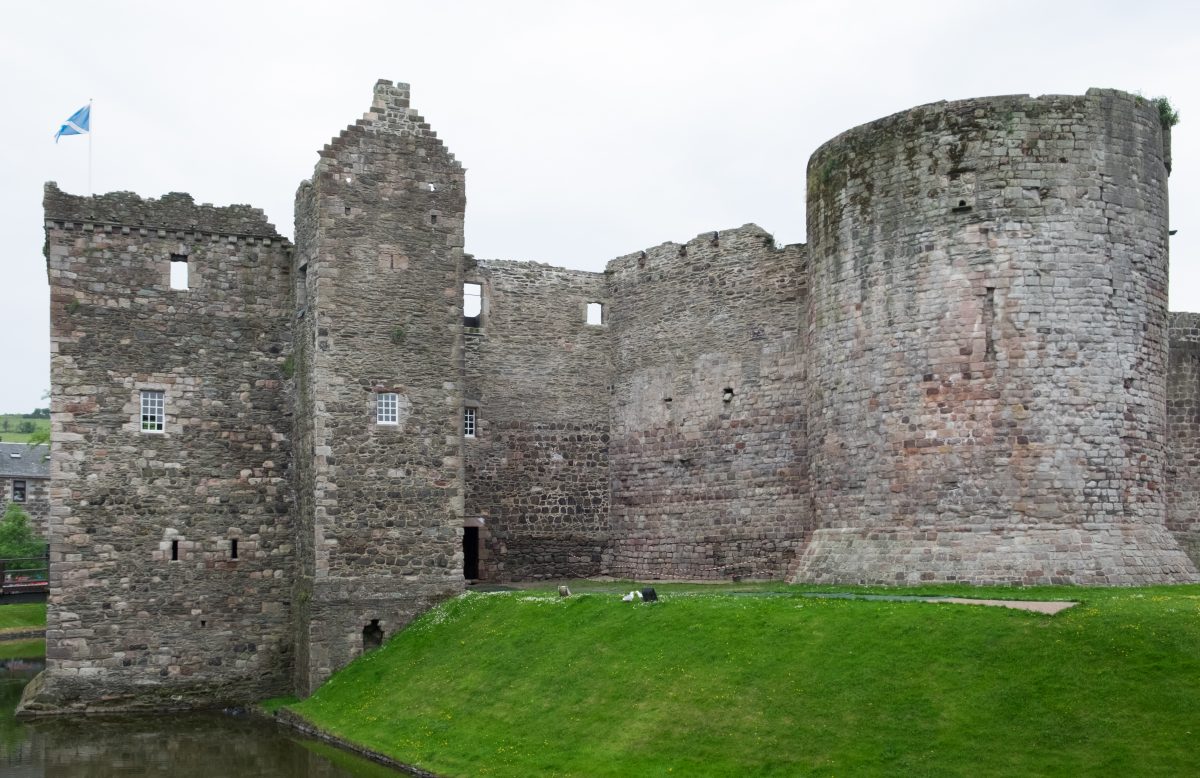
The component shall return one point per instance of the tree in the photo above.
(26, 427)
(17, 538)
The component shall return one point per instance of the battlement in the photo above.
(173, 212)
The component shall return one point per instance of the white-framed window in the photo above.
(153, 410)
(18, 494)
(387, 406)
(468, 422)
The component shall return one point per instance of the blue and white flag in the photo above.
(79, 123)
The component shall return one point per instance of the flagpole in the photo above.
(91, 131)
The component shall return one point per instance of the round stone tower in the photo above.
(988, 346)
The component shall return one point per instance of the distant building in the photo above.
(25, 480)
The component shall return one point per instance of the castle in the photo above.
(267, 455)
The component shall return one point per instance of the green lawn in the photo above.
(24, 616)
(14, 420)
(22, 649)
(713, 683)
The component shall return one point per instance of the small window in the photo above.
(153, 410)
(472, 304)
(595, 313)
(468, 422)
(18, 491)
(386, 408)
(233, 548)
(179, 271)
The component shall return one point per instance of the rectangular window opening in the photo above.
(387, 406)
(18, 491)
(595, 313)
(233, 548)
(174, 550)
(468, 422)
(472, 304)
(153, 410)
(179, 272)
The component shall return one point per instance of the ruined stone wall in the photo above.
(37, 501)
(537, 468)
(380, 226)
(1183, 432)
(128, 625)
(988, 346)
(709, 467)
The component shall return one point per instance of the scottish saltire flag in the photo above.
(79, 123)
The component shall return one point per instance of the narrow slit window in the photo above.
(472, 304)
(233, 548)
(468, 422)
(387, 408)
(595, 313)
(179, 272)
(153, 410)
(174, 550)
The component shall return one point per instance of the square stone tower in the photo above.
(378, 354)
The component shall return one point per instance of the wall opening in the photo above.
(469, 419)
(174, 550)
(372, 635)
(179, 272)
(595, 313)
(989, 321)
(472, 304)
(233, 549)
(471, 553)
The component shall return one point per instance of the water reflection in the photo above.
(200, 745)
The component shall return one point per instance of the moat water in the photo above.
(194, 745)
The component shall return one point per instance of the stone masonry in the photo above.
(968, 374)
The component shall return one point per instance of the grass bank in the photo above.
(713, 683)
(24, 616)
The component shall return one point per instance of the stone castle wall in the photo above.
(1183, 432)
(538, 468)
(709, 462)
(128, 624)
(963, 377)
(988, 346)
(380, 230)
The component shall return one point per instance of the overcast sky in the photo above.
(588, 130)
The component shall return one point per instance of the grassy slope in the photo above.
(23, 616)
(12, 436)
(705, 684)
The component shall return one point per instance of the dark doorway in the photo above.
(372, 635)
(470, 553)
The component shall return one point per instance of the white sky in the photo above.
(588, 130)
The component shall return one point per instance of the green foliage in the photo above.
(398, 336)
(706, 683)
(1166, 112)
(289, 366)
(17, 538)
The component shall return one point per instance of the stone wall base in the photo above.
(1111, 555)
(51, 694)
